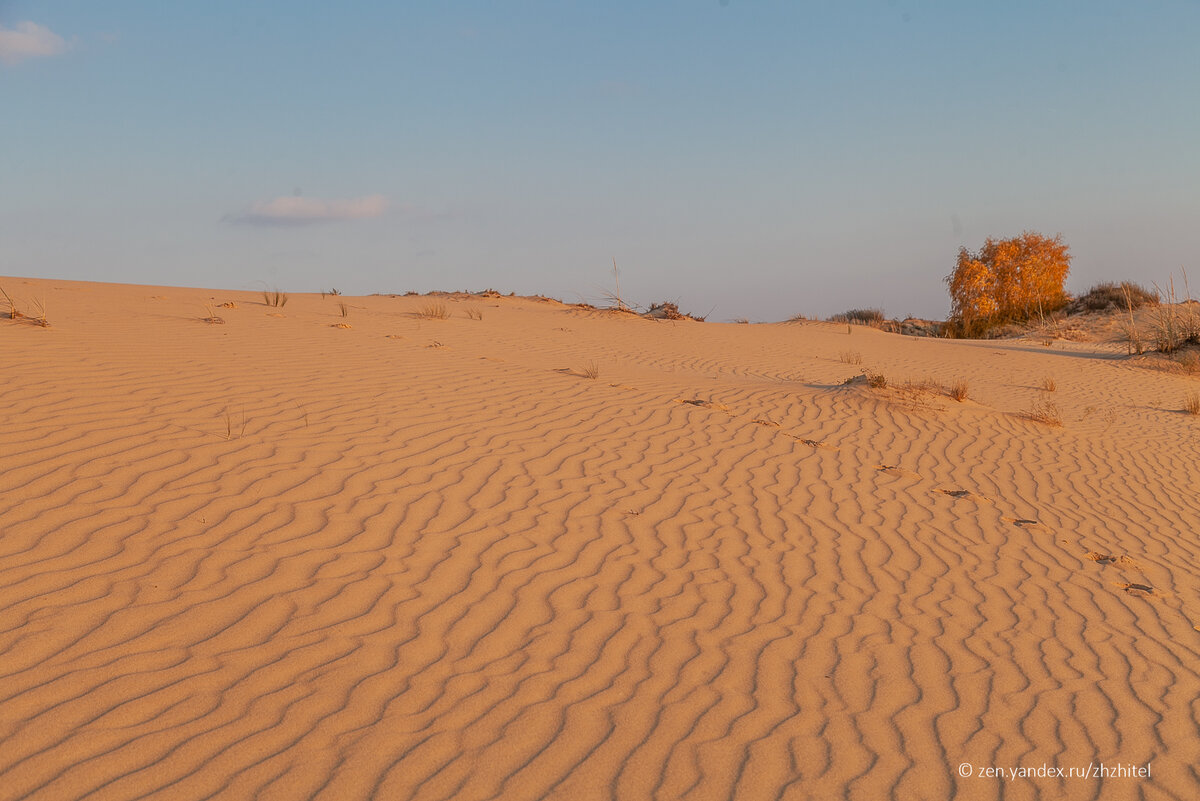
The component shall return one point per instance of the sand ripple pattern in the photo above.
(277, 560)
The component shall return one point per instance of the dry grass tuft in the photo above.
(212, 318)
(474, 313)
(1049, 384)
(959, 390)
(615, 301)
(876, 380)
(1111, 296)
(230, 425)
(434, 311)
(1129, 327)
(1188, 361)
(668, 310)
(919, 395)
(275, 298)
(12, 307)
(592, 371)
(1191, 404)
(1175, 322)
(871, 317)
(39, 313)
(850, 357)
(1045, 411)
(37, 316)
(343, 308)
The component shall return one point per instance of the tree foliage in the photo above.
(1008, 280)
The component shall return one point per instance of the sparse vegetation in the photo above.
(1174, 322)
(871, 317)
(666, 310)
(39, 313)
(434, 311)
(12, 307)
(615, 301)
(37, 316)
(741, 321)
(876, 380)
(1191, 404)
(1045, 411)
(850, 357)
(474, 313)
(1008, 280)
(212, 318)
(1109, 296)
(959, 390)
(917, 395)
(230, 424)
(343, 308)
(591, 370)
(1049, 384)
(1188, 361)
(1133, 334)
(275, 298)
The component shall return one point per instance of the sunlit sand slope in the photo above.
(417, 558)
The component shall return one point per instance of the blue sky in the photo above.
(755, 159)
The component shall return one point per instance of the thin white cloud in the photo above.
(29, 40)
(309, 210)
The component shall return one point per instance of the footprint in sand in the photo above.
(896, 470)
(706, 405)
(1024, 522)
(812, 443)
(1111, 559)
(958, 494)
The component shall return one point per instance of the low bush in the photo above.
(871, 317)
(1110, 296)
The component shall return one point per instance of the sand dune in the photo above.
(428, 559)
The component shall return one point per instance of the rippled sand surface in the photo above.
(413, 558)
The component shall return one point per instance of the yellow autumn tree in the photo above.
(1008, 280)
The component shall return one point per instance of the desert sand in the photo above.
(412, 558)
